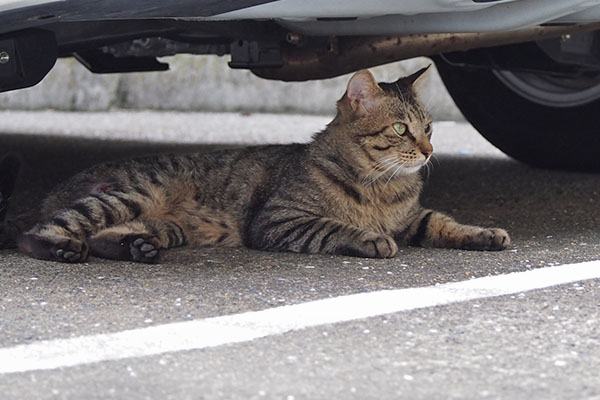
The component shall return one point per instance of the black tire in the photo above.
(558, 135)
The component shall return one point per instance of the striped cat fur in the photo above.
(354, 190)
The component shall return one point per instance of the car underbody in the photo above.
(546, 53)
(285, 40)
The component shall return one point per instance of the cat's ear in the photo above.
(413, 79)
(362, 92)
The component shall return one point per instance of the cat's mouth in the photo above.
(412, 167)
(392, 167)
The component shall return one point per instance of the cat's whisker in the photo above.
(428, 169)
(394, 173)
(374, 179)
(435, 158)
(359, 147)
(431, 163)
(386, 159)
(383, 173)
(391, 165)
(382, 162)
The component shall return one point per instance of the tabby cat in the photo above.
(354, 191)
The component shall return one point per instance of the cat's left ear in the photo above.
(413, 79)
(363, 92)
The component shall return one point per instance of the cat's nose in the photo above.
(427, 152)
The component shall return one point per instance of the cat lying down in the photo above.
(354, 191)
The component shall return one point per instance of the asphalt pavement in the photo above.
(539, 343)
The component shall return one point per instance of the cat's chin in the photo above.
(412, 169)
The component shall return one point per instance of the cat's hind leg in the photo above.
(62, 237)
(53, 243)
(140, 240)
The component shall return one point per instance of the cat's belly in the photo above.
(203, 224)
(205, 227)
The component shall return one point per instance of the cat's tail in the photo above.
(9, 171)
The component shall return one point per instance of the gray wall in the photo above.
(205, 83)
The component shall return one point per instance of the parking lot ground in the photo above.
(536, 343)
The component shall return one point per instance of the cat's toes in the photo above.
(499, 239)
(61, 249)
(490, 239)
(70, 251)
(144, 248)
(385, 247)
(378, 246)
(135, 247)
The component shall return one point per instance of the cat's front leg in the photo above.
(435, 229)
(361, 243)
(312, 234)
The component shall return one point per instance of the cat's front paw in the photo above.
(373, 245)
(57, 248)
(488, 239)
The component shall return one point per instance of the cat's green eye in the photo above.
(400, 128)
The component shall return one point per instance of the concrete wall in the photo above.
(205, 83)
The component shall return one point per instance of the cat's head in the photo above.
(390, 130)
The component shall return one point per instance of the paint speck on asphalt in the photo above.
(560, 363)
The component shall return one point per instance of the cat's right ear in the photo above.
(362, 92)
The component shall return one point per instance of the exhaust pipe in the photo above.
(345, 54)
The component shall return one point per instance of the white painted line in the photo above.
(247, 326)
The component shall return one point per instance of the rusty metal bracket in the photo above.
(346, 54)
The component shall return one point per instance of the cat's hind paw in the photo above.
(144, 249)
(138, 247)
(60, 249)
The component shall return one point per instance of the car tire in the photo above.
(539, 123)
